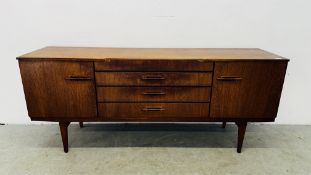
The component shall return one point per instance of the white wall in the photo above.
(280, 26)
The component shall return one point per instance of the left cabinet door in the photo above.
(59, 89)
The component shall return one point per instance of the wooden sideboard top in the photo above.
(96, 53)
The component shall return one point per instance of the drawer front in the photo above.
(153, 79)
(153, 65)
(153, 110)
(153, 94)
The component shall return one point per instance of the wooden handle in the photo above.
(229, 78)
(153, 108)
(77, 78)
(152, 77)
(154, 93)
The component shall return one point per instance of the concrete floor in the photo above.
(155, 149)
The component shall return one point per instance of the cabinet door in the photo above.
(247, 89)
(59, 89)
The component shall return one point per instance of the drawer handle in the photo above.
(77, 78)
(152, 77)
(229, 78)
(150, 108)
(153, 93)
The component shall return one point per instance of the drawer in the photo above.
(153, 78)
(153, 65)
(153, 94)
(153, 110)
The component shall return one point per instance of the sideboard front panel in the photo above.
(153, 90)
(247, 89)
(59, 89)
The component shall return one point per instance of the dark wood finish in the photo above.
(153, 110)
(153, 65)
(50, 92)
(247, 89)
(150, 119)
(67, 84)
(153, 94)
(241, 133)
(153, 79)
(108, 54)
(63, 126)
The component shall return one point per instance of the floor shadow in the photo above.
(168, 135)
(153, 135)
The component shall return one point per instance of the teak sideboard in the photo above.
(84, 84)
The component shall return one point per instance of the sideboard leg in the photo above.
(241, 133)
(224, 124)
(81, 124)
(63, 126)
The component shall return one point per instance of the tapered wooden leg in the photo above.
(241, 133)
(81, 124)
(224, 124)
(63, 126)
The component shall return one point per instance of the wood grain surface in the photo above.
(153, 110)
(153, 65)
(153, 94)
(93, 53)
(153, 79)
(248, 89)
(53, 90)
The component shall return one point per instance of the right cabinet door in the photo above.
(247, 89)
